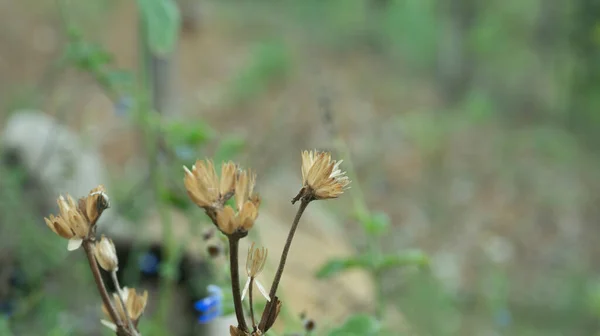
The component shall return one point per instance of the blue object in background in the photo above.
(211, 306)
(123, 106)
(503, 318)
(148, 263)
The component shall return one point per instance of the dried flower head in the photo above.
(203, 184)
(247, 203)
(321, 177)
(255, 263)
(134, 304)
(77, 219)
(106, 254)
(94, 204)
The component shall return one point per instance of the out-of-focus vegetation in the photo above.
(473, 128)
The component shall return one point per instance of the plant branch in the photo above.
(251, 303)
(235, 282)
(87, 246)
(115, 281)
(303, 204)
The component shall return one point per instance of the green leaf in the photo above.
(403, 259)
(229, 147)
(377, 223)
(186, 133)
(162, 21)
(358, 325)
(335, 266)
(4, 328)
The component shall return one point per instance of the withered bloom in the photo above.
(321, 176)
(247, 203)
(255, 263)
(204, 187)
(134, 304)
(106, 254)
(77, 219)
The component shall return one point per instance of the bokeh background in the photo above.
(469, 129)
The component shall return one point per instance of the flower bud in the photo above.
(106, 254)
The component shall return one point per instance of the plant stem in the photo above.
(235, 282)
(87, 246)
(286, 248)
(115, 281)
(251, 303)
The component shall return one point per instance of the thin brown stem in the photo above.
(251, 303)
(87, 246)
(115, 281)
(235, 282)
(286, 248)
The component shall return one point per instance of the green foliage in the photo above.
(162, 21)
(269, 61)
(358, 325)
(4, 328)
(229, 147)
(373, 263)
(411, 28)
(376, 224)
(187, 133)
(96, 60)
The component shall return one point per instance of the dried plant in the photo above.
(77, 223)
(321, 179)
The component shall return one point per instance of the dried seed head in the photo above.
(71, 224)
(244, 188)
(321, 176)
(134, 303)
(256, 260)
(247, 203)
(228, 175)
(204, 187)
(255, 263)
(106, 254)
(94, 204)
(226, 220)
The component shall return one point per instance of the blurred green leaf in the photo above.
(162, 21)
(269, 62)
(228, 148)
(373, 262)
(359, 325)
(403, 259)
(187, 133)
(335, 266)
(4, 328)
(377, 223)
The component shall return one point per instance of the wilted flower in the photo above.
(321, 177)
(77, 219)
(203, 184)
(255, 263)
(134, 304)
(228, 220)
(94, 204)
(106, 254)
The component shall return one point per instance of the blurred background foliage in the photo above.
(471, 127)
